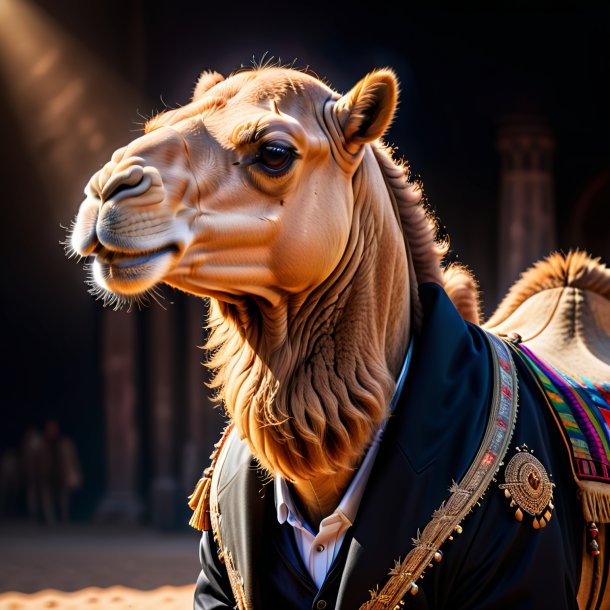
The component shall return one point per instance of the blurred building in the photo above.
(527, 199)
(160, 424)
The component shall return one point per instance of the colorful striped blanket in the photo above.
(583, 409)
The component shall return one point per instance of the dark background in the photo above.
(461, 71)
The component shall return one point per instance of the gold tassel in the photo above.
(196, 495)
(199, 500)
(199, 503)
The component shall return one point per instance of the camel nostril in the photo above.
(128, 183)
(120, 188)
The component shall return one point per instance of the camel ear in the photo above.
(207, 80)
(367, 110)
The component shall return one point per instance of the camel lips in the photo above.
(123, 259)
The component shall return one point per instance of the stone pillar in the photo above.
(121, 502)
(527, 200)
(204, 420)
(164, 489)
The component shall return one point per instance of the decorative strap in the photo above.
(465, 495)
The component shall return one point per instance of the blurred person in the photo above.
(32, 465)
(9, 482)
(61, 474)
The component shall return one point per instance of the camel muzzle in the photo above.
(130, 182)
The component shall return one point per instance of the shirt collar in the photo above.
(400, 383)
(283, 499)
(351, 499)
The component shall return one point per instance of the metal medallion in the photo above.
(528, 487)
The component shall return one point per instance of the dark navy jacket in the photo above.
(439, 421)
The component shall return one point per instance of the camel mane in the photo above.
(576, 269)
(420, 227)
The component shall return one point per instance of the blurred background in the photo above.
(504, 113)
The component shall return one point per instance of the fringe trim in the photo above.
(595, 498)
(199, 500)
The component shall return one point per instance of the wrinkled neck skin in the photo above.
(309, 382)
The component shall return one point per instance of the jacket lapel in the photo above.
(430, 441)
(241, 494)
(382, 530)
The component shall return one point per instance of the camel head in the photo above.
(270, 194)
(246, 190)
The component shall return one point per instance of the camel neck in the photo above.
(308, 381)
(318, 498)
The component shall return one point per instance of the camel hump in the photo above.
(560, 309)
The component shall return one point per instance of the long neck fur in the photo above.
(308, 383)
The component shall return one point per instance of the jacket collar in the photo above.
(430, 440)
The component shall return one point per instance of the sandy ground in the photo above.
(92, 598)
(86, 568)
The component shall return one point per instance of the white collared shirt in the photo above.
(318, 550)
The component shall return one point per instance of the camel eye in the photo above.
(275, 158)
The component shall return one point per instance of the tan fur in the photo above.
(575, 269)
(306, 409)
(206, 81)
(462, 288)
(425, 253)
(312, 273)
(560, 309)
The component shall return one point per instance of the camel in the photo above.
(273, 196)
